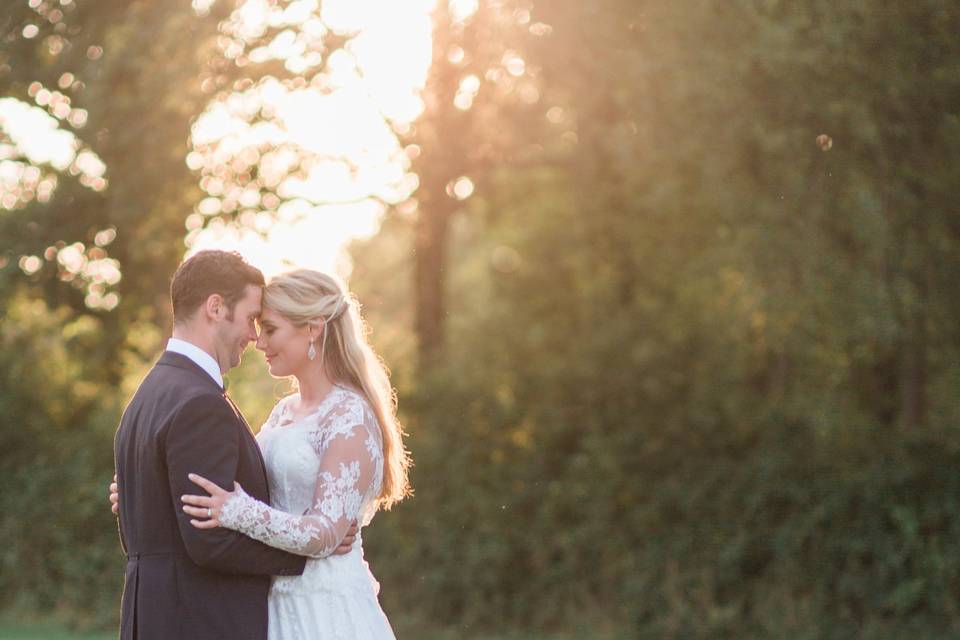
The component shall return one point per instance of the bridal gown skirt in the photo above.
(334, 599)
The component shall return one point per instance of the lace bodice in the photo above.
(325, 470)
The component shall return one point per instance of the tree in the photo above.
(480, 101)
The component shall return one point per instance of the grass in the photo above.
(43, 631)
(48, 631)
(14, 627)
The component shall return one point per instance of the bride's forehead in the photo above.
(269, 315)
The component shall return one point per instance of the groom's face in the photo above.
(236, 331)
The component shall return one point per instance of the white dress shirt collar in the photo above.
(200, 357)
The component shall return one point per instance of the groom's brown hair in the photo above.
(209, 272)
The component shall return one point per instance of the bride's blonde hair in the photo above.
(305, 296)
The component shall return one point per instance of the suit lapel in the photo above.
(251, 441)
(172, 359)
(239, 414)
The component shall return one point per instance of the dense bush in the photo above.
(61, 551)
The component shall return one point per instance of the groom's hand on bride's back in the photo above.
(114, 496)
(347, 543)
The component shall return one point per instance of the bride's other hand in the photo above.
(115, 496)
(346, 545)
(207, 507)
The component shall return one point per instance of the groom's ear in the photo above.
(214, 306)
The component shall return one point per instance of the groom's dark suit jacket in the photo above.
(183, 582)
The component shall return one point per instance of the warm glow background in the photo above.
(373, 86)
(347, 125)
(667, 290)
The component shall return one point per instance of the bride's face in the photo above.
(284, 344)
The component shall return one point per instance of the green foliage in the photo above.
(61, 550)
(691, 380)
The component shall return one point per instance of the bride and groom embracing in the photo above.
(271, 547)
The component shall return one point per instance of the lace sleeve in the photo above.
(350, 468)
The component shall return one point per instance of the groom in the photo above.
(183, 582)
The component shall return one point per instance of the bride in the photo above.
(333, 454)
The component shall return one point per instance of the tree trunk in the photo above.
(430, 246)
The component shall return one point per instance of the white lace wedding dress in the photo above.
(325, 470)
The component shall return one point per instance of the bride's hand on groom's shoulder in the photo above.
(206, 509)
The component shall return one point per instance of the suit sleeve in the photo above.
(204, 439)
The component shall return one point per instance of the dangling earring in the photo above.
(312, 351)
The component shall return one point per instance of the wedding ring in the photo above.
(209, 512)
